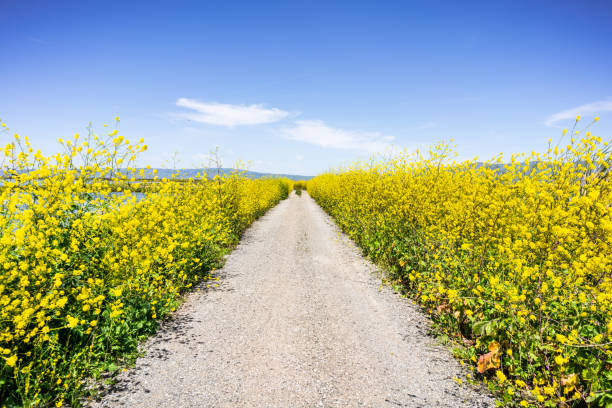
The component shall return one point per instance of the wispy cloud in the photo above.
(592, 108)
(229, 115)
(427, 125)
(318, 133)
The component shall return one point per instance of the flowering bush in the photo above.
(298, 186)
(92, 255)
(513, 261)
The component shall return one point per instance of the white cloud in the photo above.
(592, 108)
(221, 114)
(318, 133)
(299, 157)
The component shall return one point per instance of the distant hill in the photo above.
(190, 173)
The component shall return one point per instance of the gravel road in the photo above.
(299, 320)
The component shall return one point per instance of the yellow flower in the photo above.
(72, 321)
(116, 292)
(11, 361)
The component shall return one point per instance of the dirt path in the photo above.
(299, 320)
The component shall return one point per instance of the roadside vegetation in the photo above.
(92, 257)
(513, 261)
(298, 186)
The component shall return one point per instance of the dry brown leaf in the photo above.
(569, 380)
(490, 359)
(468, 342)
(442, 308)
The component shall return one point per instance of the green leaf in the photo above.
(484, 327)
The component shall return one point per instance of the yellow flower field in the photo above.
(514, 261)
(92, 256)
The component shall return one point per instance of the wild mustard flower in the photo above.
(91, 254)
(517, 255)
(11, 361)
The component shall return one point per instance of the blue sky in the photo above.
(302, 86)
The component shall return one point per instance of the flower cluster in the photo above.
(512, 260)
(93, 252)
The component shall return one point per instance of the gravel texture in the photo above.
(299, 320)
